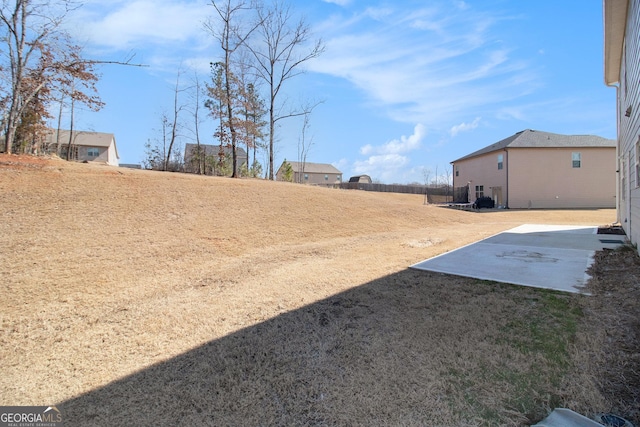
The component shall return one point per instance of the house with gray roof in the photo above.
(210, 155)
(621, 70)
(311, 173)
(85, 145)
(541, 170)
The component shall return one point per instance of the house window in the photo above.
(93, 152)
(457, 170)
(500, 161)
(479, 191)
(326, 177)
(576, 160)
(306, 177)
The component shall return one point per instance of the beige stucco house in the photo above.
(311, 173)
(622, 71)
(85, 145)
(541, 170)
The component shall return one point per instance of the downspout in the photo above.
(618, 189)
(506, 161)
(453, 182)
(615, 12)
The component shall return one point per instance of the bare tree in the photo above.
(425, 174)
(31, 34)
(305, 141)
(231, 37)
(278, 58)
(173, 126)
(160, 152)
(79, 84)
(447, 176)
(196, 93)
(36, 52)
(251, 112)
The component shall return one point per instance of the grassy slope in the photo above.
(252, 302)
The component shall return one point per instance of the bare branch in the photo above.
(278, 59)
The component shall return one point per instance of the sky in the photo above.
(406, 87)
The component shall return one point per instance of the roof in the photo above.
(314, 167)
(356, 178)
(615, 22)
(86, 139)
(537, 139)
(210, 150)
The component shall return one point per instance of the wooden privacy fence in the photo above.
(438, 194)
(461, 194)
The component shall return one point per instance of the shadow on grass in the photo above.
(412, 348)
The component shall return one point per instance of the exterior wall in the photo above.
(317, 178)
(112, 156)
(107, 154)
(629, 127)
(482, 170)
(543, 178)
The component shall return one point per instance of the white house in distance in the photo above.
(541, 170)
(622, 71)
(85, 145)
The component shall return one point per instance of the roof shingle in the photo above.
(537, 139)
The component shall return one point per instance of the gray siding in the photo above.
(629, 127)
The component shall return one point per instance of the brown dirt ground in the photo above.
(147, 298)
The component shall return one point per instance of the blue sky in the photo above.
(407, 85)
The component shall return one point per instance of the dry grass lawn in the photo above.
(144, 298)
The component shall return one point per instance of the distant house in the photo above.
(365, 179)
(211, 154)
(534, 169)
(621, 70)
(313, 173)
(85, 146)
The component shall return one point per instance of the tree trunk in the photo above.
(271, 126)
(58, 146)
(70, 132)
(174, 126)
(232, 130)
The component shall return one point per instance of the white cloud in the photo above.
(139, 23)
(464, 127)
(378, 13)
(397, 146)
(387, 161)
(366, 149)
(429, 65)
(383, 167)
(341, 164)
(461, 5)
(338, 2)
